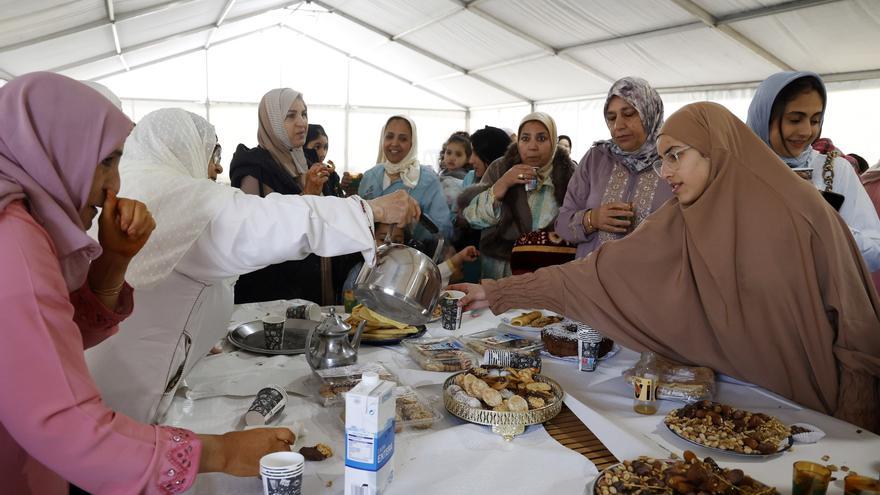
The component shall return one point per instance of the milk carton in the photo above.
(369, 436)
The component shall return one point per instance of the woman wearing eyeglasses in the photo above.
(614, 189)
(747, 270)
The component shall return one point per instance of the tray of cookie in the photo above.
(441, 354)
(506, 399)
(646, 475)
(729, 430)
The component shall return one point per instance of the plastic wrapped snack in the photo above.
(681, 383)
(446, 354)
(496, 339)
(413, 410)
(335, 382)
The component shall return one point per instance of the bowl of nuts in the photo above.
(729, 430)
(506, 399)
(675, 476)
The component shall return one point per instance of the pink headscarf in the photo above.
(54, 132)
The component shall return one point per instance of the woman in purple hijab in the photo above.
(60, 292)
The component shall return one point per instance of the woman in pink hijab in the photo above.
(60, 144)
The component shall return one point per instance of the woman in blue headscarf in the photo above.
(787, 113)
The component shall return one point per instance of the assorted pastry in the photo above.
(690, 475)
(317, 453)
(501, 390)
(335, 382)
(724, 427)
(679, 382)
(534, 319)
(378, 327)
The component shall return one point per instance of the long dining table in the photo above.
(454, 456)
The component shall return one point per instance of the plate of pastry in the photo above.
(530, 320)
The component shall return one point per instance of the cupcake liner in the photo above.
(812, 436)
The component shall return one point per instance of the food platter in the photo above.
(249, 337)
(728, 430)
(508, 424)
(394, 341)
(622, 478)
(509, 318)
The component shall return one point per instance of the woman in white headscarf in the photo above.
(398, 168)
(207, 234)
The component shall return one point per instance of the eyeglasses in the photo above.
(670, 159)
(215, 156)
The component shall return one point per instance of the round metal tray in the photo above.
(592, 486)
(783, 447)
(249, 337)
(507, 424)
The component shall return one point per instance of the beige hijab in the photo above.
(272, 135)
(759, 279)
(408, 168)
(550, 124)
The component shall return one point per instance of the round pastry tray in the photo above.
(508, 424)
(784, 446)
(593, 485)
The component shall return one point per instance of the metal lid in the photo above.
(333, 324)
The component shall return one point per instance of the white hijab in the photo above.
(165, 165)
(408, 167)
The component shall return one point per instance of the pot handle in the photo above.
(429, 224)
(309, 346)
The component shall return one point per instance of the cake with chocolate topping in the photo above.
(560, 339)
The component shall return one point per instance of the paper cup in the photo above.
(309, 311)
(282, 473)
(273, 332)
(450, 311)
(269, 402)
(588, 348)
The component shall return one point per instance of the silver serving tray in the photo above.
(783, 447)
(249, 337)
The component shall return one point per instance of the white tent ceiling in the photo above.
(467, 54)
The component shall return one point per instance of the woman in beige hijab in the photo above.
(747, 270)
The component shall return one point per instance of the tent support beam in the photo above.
(374, 66)
(6, 75)
(421, 51)
(710, 20)
(223, 14)
(159, 42)
(549, 50)
(690, 26)
(97, 24)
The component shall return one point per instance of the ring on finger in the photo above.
(521, 176)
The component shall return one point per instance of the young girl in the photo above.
(454, 165)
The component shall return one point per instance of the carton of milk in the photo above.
(369, 436)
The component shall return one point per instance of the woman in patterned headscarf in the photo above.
(615, 187)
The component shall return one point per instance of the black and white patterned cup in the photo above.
(308, 311)
(269, 402)
(588, 348)
(450, 311)
(532, 184)
(273, 332)
(282, 473)
(509, 359)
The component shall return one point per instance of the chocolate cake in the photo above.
(560, 339)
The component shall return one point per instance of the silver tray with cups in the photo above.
(251, 337)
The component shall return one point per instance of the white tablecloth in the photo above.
(457, 457)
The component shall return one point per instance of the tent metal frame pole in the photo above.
(97, 24)
(690, 26)
(421, 51)
(347, 112)
(374, 66)
(161, 41)
(223, 14)
(549, 50)
(710, 21)
(6, 75)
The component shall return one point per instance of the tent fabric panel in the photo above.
(395, 16)
(22, 21)
(546, 78)
(469, 91)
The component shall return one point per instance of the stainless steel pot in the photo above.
(403, 283)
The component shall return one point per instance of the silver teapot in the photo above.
(328, 345)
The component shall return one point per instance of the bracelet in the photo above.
(113, 291)
(590, 227)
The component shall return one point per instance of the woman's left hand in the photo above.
(124, 226)
(475, 296)
(315, 179)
